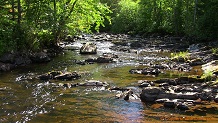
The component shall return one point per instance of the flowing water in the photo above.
(27, 99)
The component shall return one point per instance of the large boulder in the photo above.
(149, 94)
(88, 48)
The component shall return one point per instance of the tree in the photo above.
(66, 16)
(207, 19)
(126, 17)
(35, 24)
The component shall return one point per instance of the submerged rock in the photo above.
(145, 71)
(93, 83)
(86, 84)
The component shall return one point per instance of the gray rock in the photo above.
(189, 96)
(104, 60)
(6, 66)
(145, 84)
(149, 94)
(88, 48)
(163, 84)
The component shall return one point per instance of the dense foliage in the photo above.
(196, 18)
(36, 24)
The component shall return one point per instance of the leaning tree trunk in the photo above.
(63, 19)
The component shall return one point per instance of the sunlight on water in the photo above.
(25, 98)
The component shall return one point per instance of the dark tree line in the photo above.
(197, 18)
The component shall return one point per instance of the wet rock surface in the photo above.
(59, 75)
(177, 93)
(88, 83)
(9, 61)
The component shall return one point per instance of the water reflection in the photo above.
(24, 98)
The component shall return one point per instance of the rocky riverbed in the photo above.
(192, 93)
(152, 76)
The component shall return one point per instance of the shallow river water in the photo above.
(24, 98)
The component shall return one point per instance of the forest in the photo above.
(134, 61)
(33, 25)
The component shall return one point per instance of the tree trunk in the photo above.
(19, 12)
(195, 12)
(13, 12)
(63, 19)
(55, 22)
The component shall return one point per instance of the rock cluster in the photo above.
(59, 75)
(104, 58)
(88, 83)
(181, 93)
(9, 61)
(145, 71)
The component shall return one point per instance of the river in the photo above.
(25, 98)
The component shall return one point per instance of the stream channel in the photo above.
(25, 98)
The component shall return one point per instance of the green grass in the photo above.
(207, 75)
(214, 50)
(184, 55)
(215, 82)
